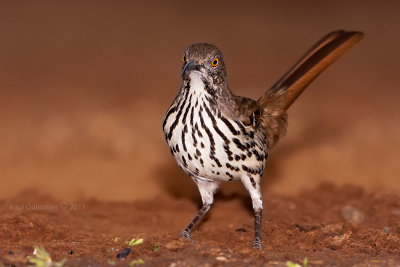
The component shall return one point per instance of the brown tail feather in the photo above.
(316, 60)
(285, 91)
(324, 40)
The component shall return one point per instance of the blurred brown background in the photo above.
(84, 87)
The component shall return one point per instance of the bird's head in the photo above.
(206, 61)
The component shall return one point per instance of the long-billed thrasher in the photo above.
(216, 136)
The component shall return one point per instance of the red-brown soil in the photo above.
(331, 226)
(84, 87)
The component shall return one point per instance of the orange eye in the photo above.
(215, 62)
(184, 58)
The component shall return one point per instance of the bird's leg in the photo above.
(207, 195)
(186, 233)
(257, 239)
(252, 184)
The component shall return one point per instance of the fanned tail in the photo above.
(285, 91)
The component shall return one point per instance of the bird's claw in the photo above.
(186, 234)
(257, 243)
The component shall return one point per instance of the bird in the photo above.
(217, 136)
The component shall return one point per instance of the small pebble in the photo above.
(352, 215)
(178, 263)
(245, 251)
(221, 258)
(396, 212)
(332, 229)
(337, 241)
(292, 206)
(174, 245)
(316, 262)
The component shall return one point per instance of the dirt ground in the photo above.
(84, 87)
(331, 226)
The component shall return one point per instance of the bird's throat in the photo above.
(197, 84)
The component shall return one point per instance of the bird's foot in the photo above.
(257, 243)
(186, 234)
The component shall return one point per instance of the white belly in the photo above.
(205, 152)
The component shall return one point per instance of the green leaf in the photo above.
(136, 262)
(137, 242)
(60, 263)
(305, 262)
(111, 262)
(41, 258)
(156, 248)
(130, 243)
(292, 264)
